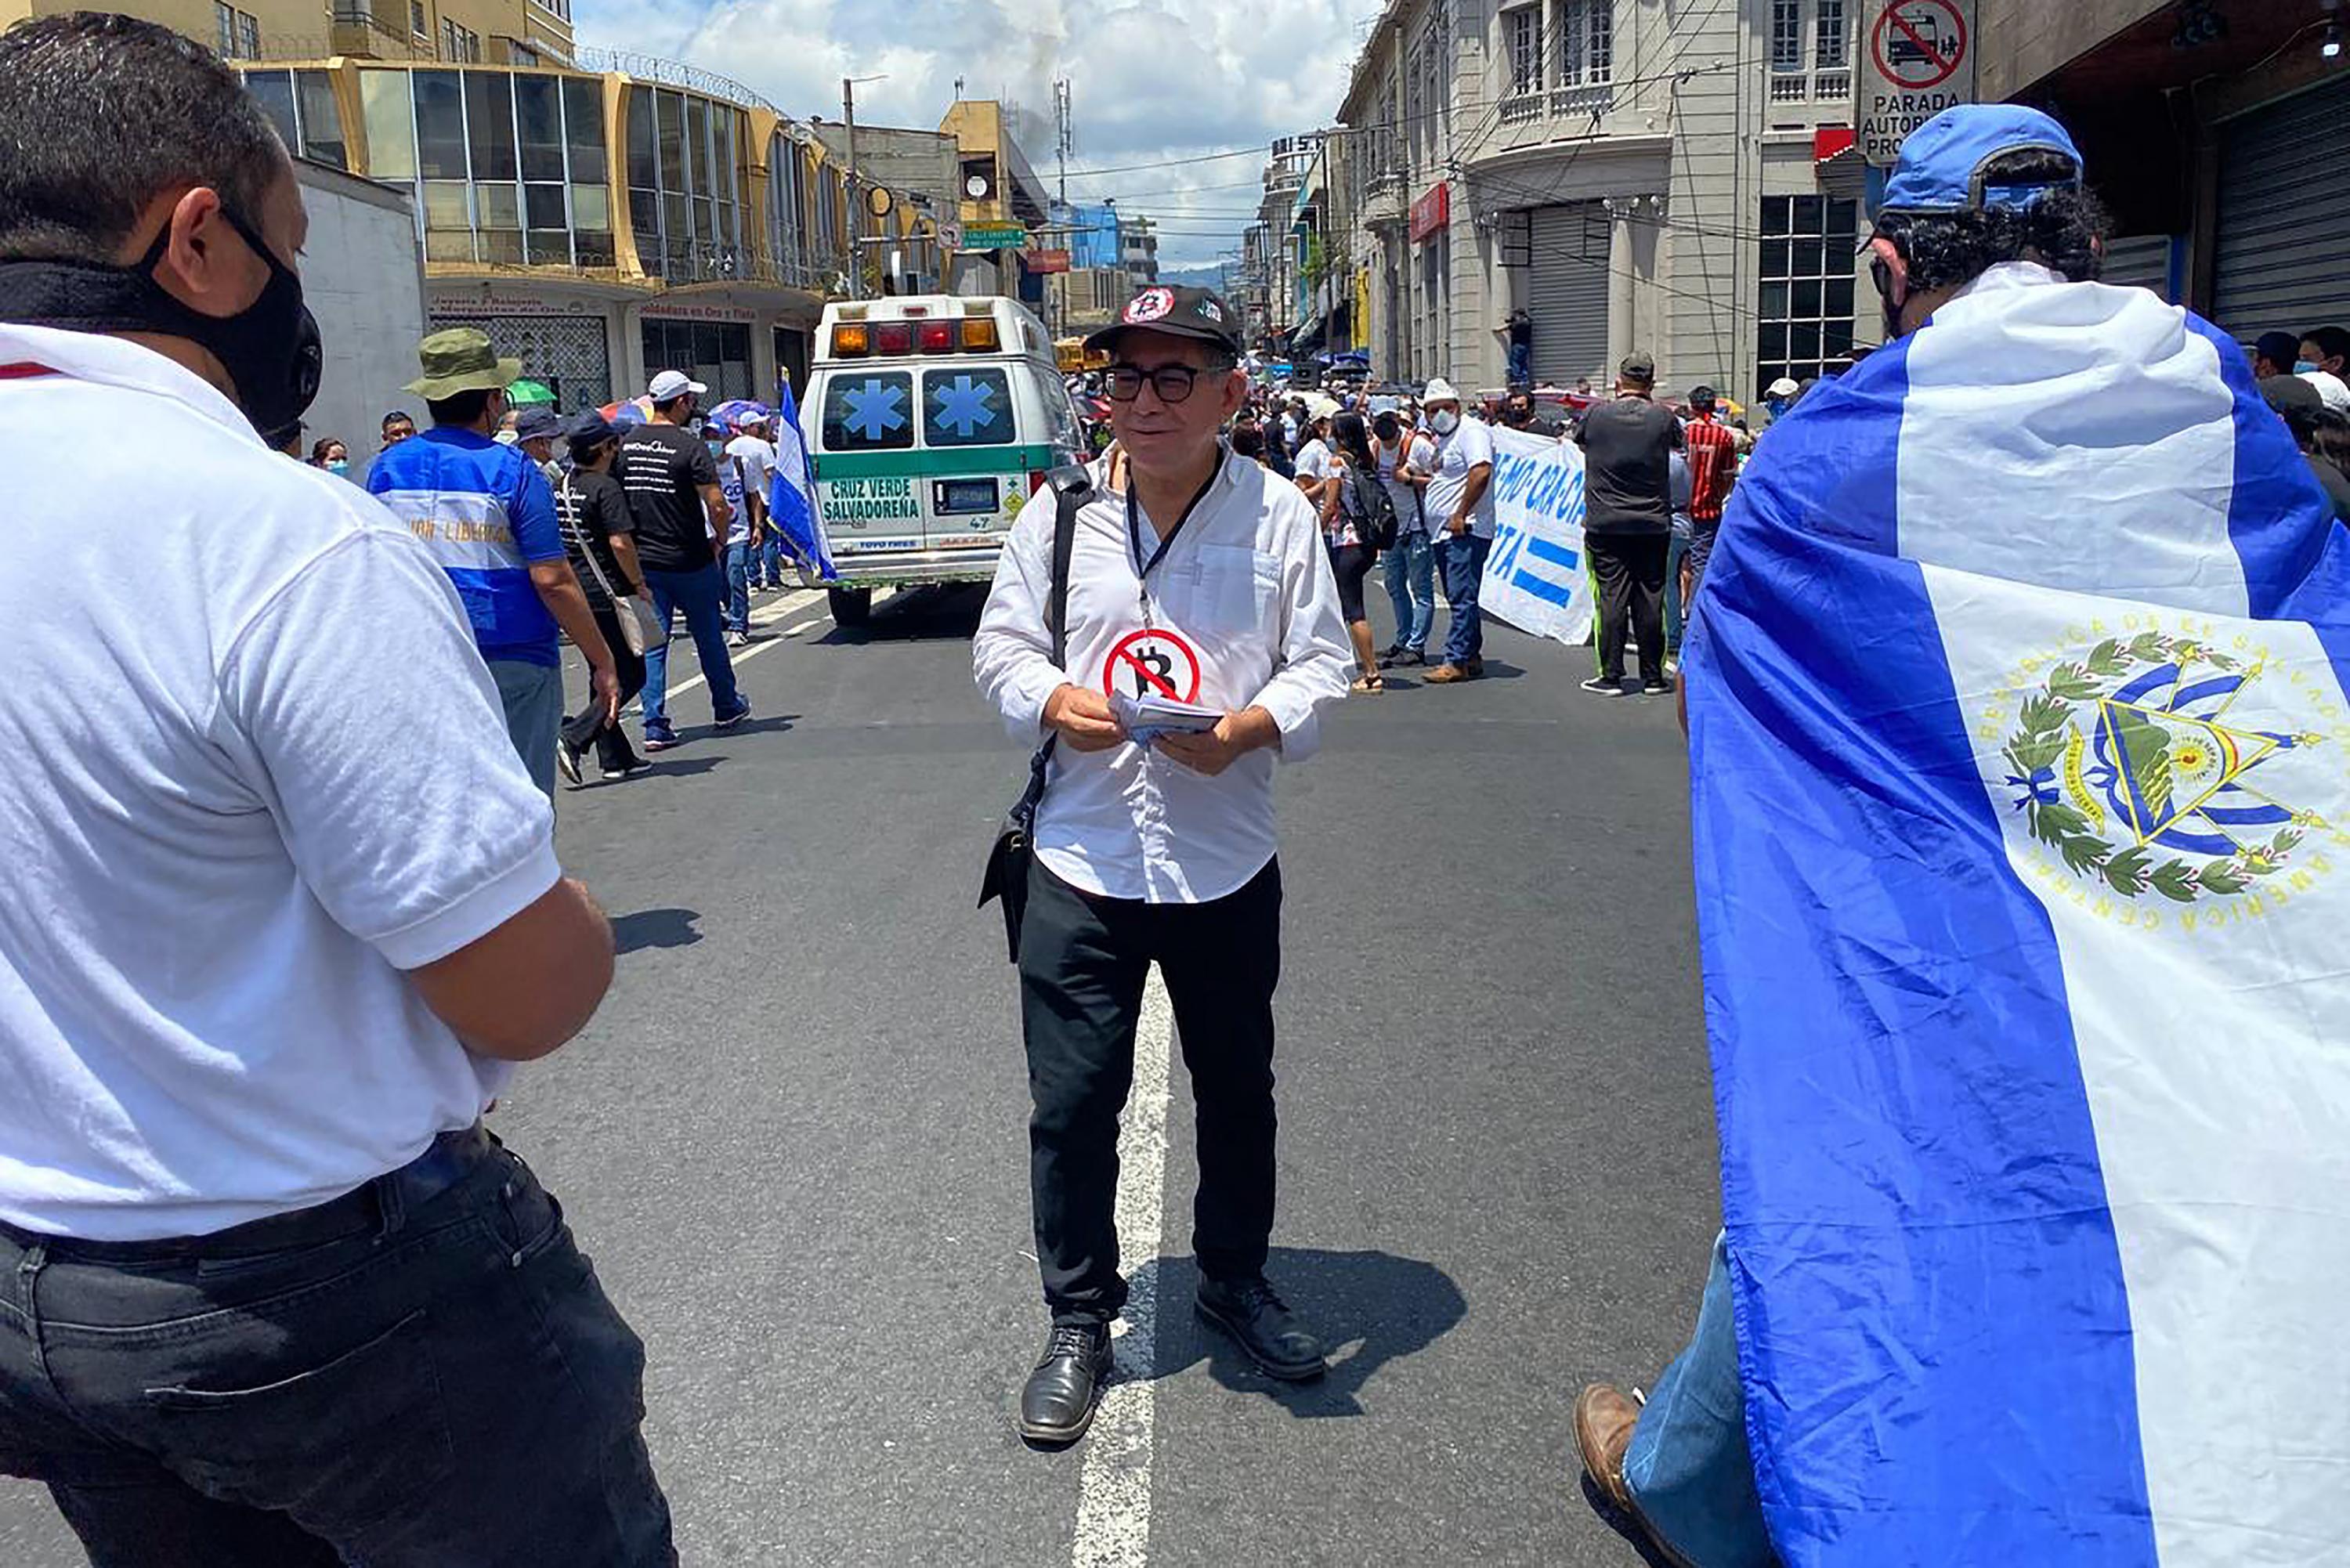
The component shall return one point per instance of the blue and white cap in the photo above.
(1941, 165)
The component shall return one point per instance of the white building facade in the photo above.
(1665, 175)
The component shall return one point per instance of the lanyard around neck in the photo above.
(1142, 568)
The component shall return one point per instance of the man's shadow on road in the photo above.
(1368, 1309)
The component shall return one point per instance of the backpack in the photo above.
(1375, 514)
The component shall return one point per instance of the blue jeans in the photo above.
(740, 561)
(423, 1372)
(1674, 610)
(532, 695)
(771, 561)
(1409, 568)
(696, 592)
(1522, 365)
(1463, 560)
(1688, 1467)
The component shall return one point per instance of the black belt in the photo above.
(452, 1157)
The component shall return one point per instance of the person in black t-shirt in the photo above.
(598, 531)
(671, 482)
(1627, 445)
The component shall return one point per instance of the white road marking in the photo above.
(761, 616)
(1114, 1488)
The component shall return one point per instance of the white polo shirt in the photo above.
(1245, 613)
(244, 784)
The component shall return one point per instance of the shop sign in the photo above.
(1432, 211)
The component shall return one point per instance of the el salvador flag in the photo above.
(2021, 779)
(791, 496)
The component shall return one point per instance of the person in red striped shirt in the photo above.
(1712, 449)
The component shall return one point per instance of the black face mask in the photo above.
(270, 348)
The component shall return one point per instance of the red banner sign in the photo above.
(1432, 211)
(1046, 261)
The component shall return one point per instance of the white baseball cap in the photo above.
(1439, 390)
(673, 384)
(1784, 386)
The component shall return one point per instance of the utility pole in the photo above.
(1065, 136)
(849, 114)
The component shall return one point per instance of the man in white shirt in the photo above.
(1459, 505)
(743, 469)
(1205, 582)
(268, 1292)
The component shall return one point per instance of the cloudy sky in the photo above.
(1150, 82)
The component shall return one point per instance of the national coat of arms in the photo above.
(2125, 766)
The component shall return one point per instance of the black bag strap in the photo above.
(1072, 487)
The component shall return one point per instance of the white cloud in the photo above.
(1149, 81)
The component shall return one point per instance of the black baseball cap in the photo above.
(2278, 348)
(1199, 313)
(1700, 396)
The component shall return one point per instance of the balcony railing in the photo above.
(1832, 85)
(1593, 97)
(1524, 107)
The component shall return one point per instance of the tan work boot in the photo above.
(1604, 1418)
(1445, 675)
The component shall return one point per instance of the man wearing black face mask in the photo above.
(259, 971)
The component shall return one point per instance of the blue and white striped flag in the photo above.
(791, 495)
(2021, 778)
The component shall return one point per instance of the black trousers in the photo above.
(423, 1373)
(1083, 961)
(613, 752)
(1631, 572)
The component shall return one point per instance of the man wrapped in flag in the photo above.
(2020, 763)
(792, 511)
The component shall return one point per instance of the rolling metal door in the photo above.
(1568, 292)
(2284, 187)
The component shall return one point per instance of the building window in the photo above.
(460, 46)
(418, 24)
(1522, 30)
(1586, 43)
(1786, 37)
(685, 201)
(301, 105)
(1805, 303)
(507, 169)
(1831, 36)
(561, 8)
(235, 33)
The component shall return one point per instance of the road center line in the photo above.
(1114, 1488)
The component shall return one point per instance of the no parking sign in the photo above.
(1918, 59)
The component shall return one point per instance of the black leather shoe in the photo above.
(1057, 1404)
(1263, 1328)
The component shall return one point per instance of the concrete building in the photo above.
(1269, 249)
(1635, 174)
(363, 276)
(1089, 298)
(1137, 241)
(999, 185)
(914, 169)
(2214, 133)
(601, 226)
(501, 32)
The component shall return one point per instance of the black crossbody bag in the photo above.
(1008, 862)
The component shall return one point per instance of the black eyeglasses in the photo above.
(1173, 383)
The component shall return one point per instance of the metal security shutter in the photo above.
(2138, 261)
(2284, 187)
(1568, 292)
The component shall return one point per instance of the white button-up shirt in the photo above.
(1243, 612)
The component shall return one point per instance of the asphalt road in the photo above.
(794, 1140)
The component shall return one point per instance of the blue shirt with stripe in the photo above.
(487, 514)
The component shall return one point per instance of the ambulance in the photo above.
(934, 420)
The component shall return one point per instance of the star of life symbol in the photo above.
(1150, 305)
(874, 410)
(962, 407)
(2126, 765)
